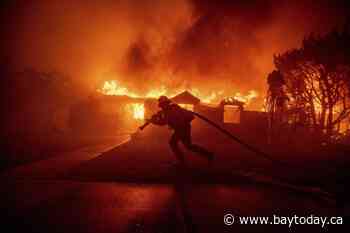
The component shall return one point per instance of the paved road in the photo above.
(82, 191)
(57, 166)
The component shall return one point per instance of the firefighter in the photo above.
(179, 120)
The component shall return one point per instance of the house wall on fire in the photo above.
(102, 115)
(109, 114)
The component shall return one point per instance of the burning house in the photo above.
(121, 111)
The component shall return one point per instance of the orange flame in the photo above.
(113, 88)
(246, 98)
(137, 110)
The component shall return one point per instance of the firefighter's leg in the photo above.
(187, 141)
(174, 145)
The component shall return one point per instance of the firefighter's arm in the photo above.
(144, 125)
(157, 119)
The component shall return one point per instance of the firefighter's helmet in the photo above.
(163, 101)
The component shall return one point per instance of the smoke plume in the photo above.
(208, 45)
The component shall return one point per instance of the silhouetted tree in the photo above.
(317, 78)
(276, 96)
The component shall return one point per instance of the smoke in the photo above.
(208, 45)
(234, 41)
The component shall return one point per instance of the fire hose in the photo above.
(256, 150)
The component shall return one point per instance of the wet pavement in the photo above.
(133, 187)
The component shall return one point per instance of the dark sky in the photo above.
(209, 45)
